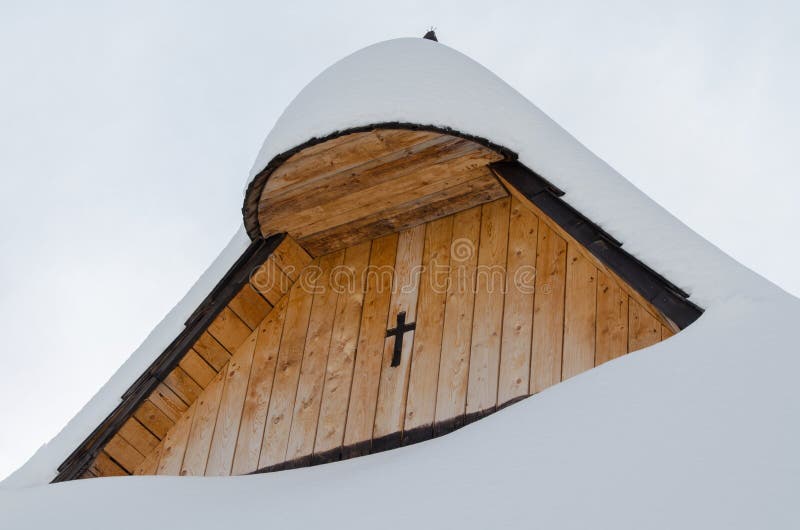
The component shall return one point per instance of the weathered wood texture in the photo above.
(365, 185)
(505, 305)
(198, 368)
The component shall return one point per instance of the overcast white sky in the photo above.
(127, 131)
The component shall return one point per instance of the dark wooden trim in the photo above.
(253, 194)
(664, 295)
(236, 277)
(383, 443)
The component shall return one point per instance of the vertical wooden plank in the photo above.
(149, 465)
(643, 328)
(548, 309)
(226, 430)
(612, 320)
(175, 445)
(123, 453)
(369, 351)
(426, 353)
(393, 385)
(202, 430)
(138, 436)
(315, 359)
(259, 389)
(515, 351)
(487, 325)
(339, 373)
(212, 351)
(197, 368)
(451, 392)
(250, 306)
(290, 355)
(580, 314)
(229, 329)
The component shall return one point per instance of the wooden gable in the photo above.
(200, 366)
(504, 305)
(506, 297)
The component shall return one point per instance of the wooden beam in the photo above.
(341, 357)
(487, 327)
(515, 352)
(315, 358)
(259, 390)
(393, 385)
(369, 351)
(451, 397)
(426, 354)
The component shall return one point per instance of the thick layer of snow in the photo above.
(698, 431)
(425, 82)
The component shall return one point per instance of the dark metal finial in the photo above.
(431, 35)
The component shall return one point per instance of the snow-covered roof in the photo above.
(696, 431)
(426, 83)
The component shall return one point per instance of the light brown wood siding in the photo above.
(131, 448)
(368, 184)
(505, 305)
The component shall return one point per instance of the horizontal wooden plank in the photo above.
(270, 281)
(250, 306)
(197, 368)
(480, 190)
(138, 436)
(346, 190)
(211, 351)
(153, 418)
(104, 466)
(229, 329)
(371, 201)
(168, 402)
(123, 453)
(290, 257)
(183, 385)
(342, 156)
